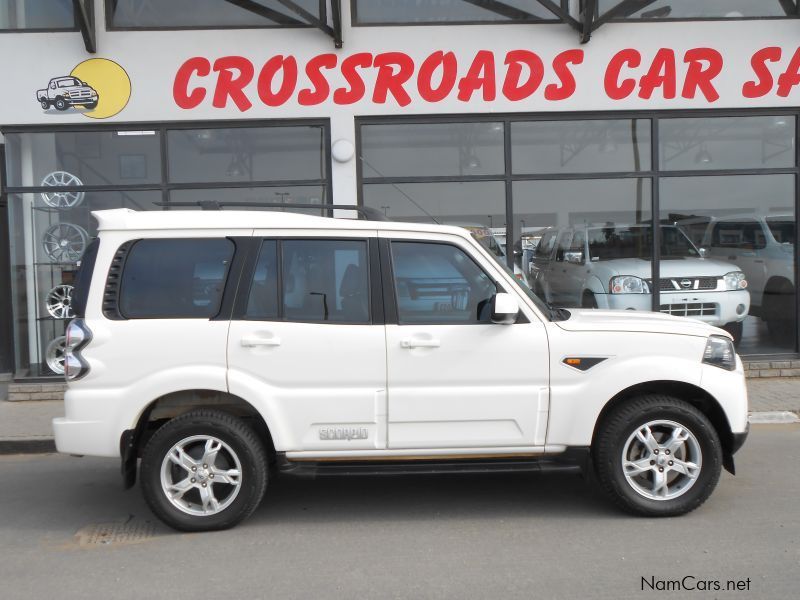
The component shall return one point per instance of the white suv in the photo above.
(222, 348)
(608, 266)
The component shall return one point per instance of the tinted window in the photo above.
(177, 278)
(439, 283)
(783, 229)
(263, 300)
(36, 14)
(325, 280)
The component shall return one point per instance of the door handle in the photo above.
(414, 343)
(252, 342)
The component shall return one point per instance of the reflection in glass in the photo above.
(155, 14)
(300, 194)
(67, 158)
(580, 146)
(727, 143)
(467, 204)
(246, 154)
(434, 11)
(435, 149)
(745, 223)
(36, 14)
(571, 249)
(688, 9)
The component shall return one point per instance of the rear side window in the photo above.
(175, 278)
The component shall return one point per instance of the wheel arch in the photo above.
(173, 404)
(694, 395)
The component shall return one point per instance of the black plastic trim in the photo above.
(574, 460)
(113, 282)
(242, 250)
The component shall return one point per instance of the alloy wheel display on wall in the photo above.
(65, 242)
(55, 355)
(62, 199)
(59, 302)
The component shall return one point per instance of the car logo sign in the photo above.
(686, 283)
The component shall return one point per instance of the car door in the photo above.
(307, 343)
(559, 277)
(739, 242)
(455, 379)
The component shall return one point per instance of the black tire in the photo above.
(735, 329)
(91, 105)
(45, 104)
(238, 436)
(61, 104)
(588, 300)
(622, 423)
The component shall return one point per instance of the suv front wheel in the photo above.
(204, 470)
(658, 456)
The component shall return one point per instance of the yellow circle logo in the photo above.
(109, 81)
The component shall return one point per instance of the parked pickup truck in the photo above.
(63, 92)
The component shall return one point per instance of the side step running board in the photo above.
(571, 461)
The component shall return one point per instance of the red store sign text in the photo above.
(440, 76)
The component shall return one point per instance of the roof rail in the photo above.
(367, 212)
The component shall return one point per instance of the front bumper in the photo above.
(715, 307)
(738, 439)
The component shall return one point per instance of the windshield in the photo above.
(69, 82)
(636, 241)
(782, 229)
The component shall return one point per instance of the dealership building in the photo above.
(555, 129)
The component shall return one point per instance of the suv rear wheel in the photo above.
(658, 456)
(204, 470)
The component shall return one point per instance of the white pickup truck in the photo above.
(63, 92)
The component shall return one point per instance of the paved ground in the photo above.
(411, 537)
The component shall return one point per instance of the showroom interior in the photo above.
(555, 192)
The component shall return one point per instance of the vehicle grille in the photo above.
(691, 309)
(674, 284)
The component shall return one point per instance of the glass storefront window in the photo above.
(246, 154)
(745, 224)
(36, 14)
(476, 204)
(46, 245)
(692, 9)
(442, 11)
(77, 158)
(298, 194)
(52, 181)
(580, 146)
(175, 14)
(432, 149)
(716, 143)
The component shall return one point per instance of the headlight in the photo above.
(720, 353)
(735, 280)
(628, 284)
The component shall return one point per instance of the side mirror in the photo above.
(504, 309)
(574, 257)
(703, 252)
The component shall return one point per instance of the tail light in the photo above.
(78, 336)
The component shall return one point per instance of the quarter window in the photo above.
(439, 284)
(175, 278)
